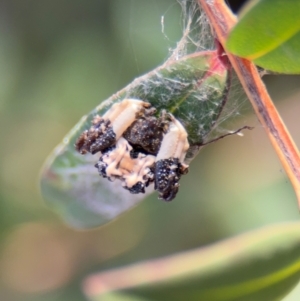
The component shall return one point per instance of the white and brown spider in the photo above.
(137, 147)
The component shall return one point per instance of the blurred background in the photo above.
(58, 60)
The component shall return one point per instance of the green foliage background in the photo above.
(58, 60)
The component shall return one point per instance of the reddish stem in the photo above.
(222, 21)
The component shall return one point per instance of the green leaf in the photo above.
(193, 88)
(263, 265)
(114, 296)
(268, 33)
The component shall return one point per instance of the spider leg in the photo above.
(169, 161)
(106, 130)
(135, 173)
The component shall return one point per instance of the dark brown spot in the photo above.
(99, 137)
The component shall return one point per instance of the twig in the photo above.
(222, 21)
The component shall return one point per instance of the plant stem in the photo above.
(222, 20)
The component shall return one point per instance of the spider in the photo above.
(137, 147)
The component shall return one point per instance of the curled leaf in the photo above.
(193, 89)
